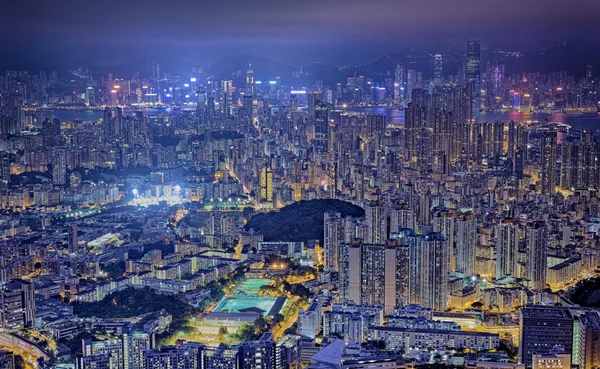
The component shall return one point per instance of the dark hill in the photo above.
(300, 221)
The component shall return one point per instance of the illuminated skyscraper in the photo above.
(429, 270)
(333, 235)
(399, 85)
(376, 218)
(507, 248)
(466, 232)
(548, 162)
(227, 95)
(437, 69)
(321, 125)
(266, 186)
(444, 222)
(4, 168)
(537, 241)
(73, 239)
(473, 77)
(59, 168)
(250, 80)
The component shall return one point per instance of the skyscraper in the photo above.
(473, 77)
(537, 241)
(321, 114)
(437, 69)
(399, 85)
(4, 168)
(266, 186)
(507, 248)
(59, 169)
(466, 232)
(73, 239)
(250, 80)
(227, 96)
(444, 222)
(428, 271)
(376, 218)
(333, 235)
(548, 151)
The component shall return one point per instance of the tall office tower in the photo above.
(227, 96)
(399, 85)
(182, 356)
(444, 222)
(498, 139)
(73, 239)
(4, 168)
(473, 78)
(584, 161)
(548, 162)
(428, 263)
(333, 235)
(51, 131)
(258, 354)
(416, 121)
(541, 328)
(587, 355)
(511, 138)
(372, 272)
(466, 234)
(155, 70)
(201, 106)
(519, 164)
(396, 275)
(59, 169)
(134, 346)
(487, 138)
(17, 305)
(321, 115)
(250, 80)
(266, 186)
(443, 132)
(401, 216)
(107, 123)
(349, 276)
(248, 105)
(376, 219)
(424, 158)
(507, 248)
(411, 83)
(437, 69)
(567, 164)
(537, 241)
(311, 102)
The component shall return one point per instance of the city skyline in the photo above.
(425, 195)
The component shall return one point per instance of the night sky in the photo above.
(113, 31)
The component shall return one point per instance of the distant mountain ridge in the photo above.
(571, 56)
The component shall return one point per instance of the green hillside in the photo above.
(300, 221)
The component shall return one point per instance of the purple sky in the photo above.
(116, 30)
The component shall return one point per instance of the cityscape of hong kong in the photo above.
(389, 184)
